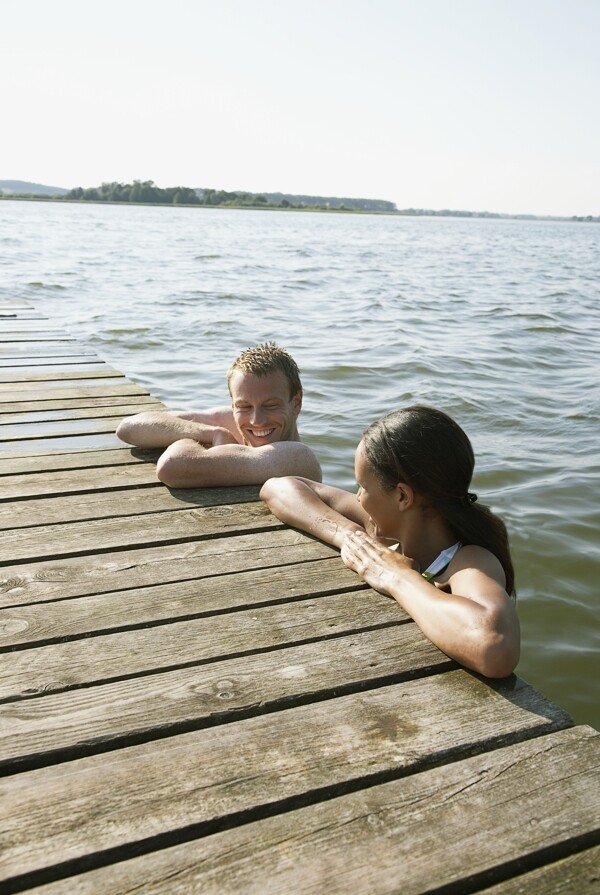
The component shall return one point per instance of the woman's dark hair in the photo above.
(426, 449)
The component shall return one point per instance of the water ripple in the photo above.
(495, 321)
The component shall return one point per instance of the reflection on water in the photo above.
(494, 321)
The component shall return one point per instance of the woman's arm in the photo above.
(476, 623)
(321, 510)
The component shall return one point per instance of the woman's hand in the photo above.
(375, 562)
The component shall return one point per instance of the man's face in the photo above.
(262, 408)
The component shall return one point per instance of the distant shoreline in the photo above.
(484, 215)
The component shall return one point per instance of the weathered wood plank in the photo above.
(33, 338)
(577, 874)
(40, 462)
(19, 309)
(37, 350)
(62, 813)
(25, 322)
(83, 721)
(103, 572)
(96, 536)
(40, 391)
(46, 363)
(68, 443)
(77, 617)
(118, 406)
(445, 829)
(20, 313)
(56, 375)
(54, 484)
(102, 504)
(71, 405)
(92, 425)
(127, 653)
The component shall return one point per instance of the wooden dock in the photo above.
(196, 698)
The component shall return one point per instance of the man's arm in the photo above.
(187, 464)
(161, 428)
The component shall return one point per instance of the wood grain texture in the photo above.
(100, 535)
(65, 619)
(53, 391)
(106, 801)
(455, 828)
(92, 424)
(105, 657)
(95, 573)
(129, 710)
(38, 411)
(41, 461)
(86, 504)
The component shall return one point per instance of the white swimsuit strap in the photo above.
(441, 561)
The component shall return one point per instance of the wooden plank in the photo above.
(453, 829)
(38, 350)
(102, 504)
(56, 375)
(69, 443)
(55, 484)
(46, 363)
(37, 337)
(22, 316)
(77, 617)
(121, 406)
(102, 535)
(29, 327)
(72, 404)
(40, 461)
(123, 570)
(80, 722)
(127, 796)
(25, 321)
(575, 875)
(59, 428)
(40, 391)
(127, 653)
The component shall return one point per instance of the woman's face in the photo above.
(380, 505)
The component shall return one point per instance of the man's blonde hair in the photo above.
(264, 359)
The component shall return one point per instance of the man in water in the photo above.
(246, 443)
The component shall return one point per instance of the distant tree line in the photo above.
(147, 191)
(222, 197)
(138, 191)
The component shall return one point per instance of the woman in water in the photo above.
(415, 532)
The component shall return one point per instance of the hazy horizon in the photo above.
(476, 105)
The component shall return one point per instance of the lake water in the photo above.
(494, 321)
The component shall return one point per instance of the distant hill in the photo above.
(24, 187)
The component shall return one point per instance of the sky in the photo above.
(480, 105)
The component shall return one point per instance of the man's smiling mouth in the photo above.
(261, 433)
